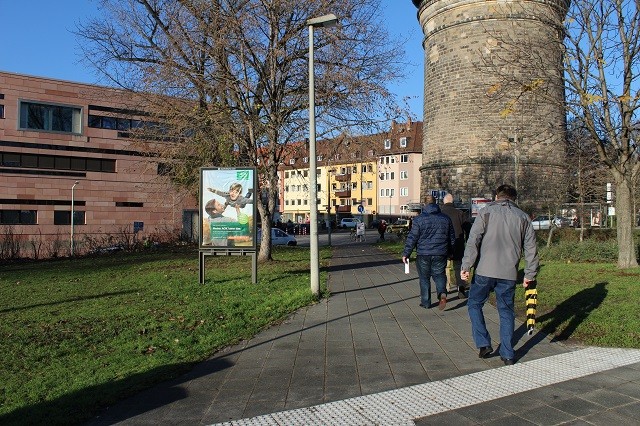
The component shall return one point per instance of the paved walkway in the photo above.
(369, 355)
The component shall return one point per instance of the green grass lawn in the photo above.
(78, 335)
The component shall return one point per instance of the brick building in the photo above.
(64, 143)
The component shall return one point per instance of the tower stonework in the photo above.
(493, 97)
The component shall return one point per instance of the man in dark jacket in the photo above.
(458, 218)
(432, 236)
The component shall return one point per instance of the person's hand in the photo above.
(464, 275)
(405, 259)
(526, 282)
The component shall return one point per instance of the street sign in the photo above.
(360, 208)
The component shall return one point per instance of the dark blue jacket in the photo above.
(431, 234)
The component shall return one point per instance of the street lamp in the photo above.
(320, 22)
(72, 188)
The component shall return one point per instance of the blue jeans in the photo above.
(505, 290)
(431, 267)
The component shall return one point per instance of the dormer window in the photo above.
(292, 161)
(387, 144)
(403, 142)
(305, 160)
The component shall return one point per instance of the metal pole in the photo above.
(72, 188)
(322, 21)
(313, 194)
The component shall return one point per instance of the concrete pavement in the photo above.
(369, 355)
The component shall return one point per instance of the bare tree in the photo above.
(587, 173)
(241, 67)
(602, 68)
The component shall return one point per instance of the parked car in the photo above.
(374, 224)
(544, 222)
(279, 238)
(398, 225)
(349, 222)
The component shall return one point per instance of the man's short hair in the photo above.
(429, 199)
(447, 198)
(506, 192)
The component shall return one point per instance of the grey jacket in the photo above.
(499, 235)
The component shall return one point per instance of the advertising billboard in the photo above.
(227, 208)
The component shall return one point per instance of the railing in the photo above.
(344, 177)
(343, 209)
(343, 194)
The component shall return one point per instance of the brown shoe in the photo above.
(443, 301)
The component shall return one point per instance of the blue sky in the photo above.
(38, 41)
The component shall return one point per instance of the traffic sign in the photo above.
(360, 208)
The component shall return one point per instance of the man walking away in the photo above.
(457, 219)
(498, 237)
(432, 236)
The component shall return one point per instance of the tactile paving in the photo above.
(401, 406)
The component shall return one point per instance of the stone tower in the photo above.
(493, 97)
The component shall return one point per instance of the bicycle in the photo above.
(353, 235)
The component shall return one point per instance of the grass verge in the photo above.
(79, 335)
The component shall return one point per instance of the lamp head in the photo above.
(325, 21)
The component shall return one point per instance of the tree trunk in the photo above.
(624, 220)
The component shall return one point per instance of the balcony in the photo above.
(343, 178)
(343, 209)
(343, 194)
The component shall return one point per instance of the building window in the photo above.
(286, 175)
(404, 175)
(387, 144)
(54, 118)
(37, 161)
(62, 217)
(18, 217)
(403, 142)
(305, 159)
(292, 161)
(404, 158)
(319, 158)
(129, 204)
(1, 111)
(404, 192)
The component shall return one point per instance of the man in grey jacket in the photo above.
(498, 237)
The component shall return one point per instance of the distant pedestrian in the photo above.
(458, 218)
(500, 234)
(360, 230)
(382, 228)
(432, 236)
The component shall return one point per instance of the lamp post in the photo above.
(72, 188)
(320, 22)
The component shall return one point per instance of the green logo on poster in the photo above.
(242, 174)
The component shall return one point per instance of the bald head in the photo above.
(448, 199)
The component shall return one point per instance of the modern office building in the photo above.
(72, 177)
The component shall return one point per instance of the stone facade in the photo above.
(116, 188)
(493, 97)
